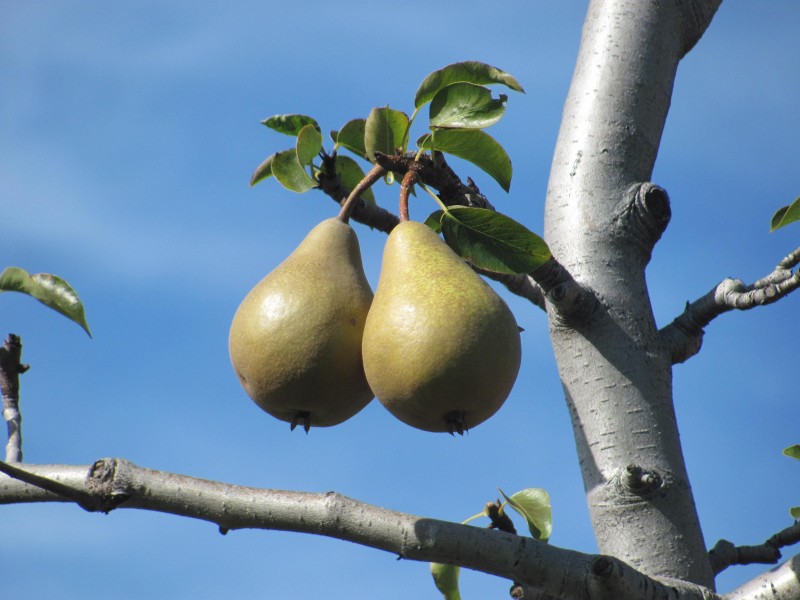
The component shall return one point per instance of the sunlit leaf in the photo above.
(446, 579)
(470, 71)
(534, 505)
(48, 289)
(351, 136)
(384, 131)
(309, 143)
(786, 215)
(434, 221)
(466, 105)
(290, 173)
(476, 146)
(793, 451)
(289, 124)
(795, 512)
(492, 241)
(350, 174)
(263, 171)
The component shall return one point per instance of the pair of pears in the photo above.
(437, 346)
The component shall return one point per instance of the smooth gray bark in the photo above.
(554, 572)
(614, 368)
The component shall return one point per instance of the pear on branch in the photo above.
(441, 349)
(295, 341)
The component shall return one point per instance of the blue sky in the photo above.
(129, 133)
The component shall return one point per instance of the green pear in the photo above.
(295, 341)
(441, 349)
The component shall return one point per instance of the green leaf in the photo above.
(263, 171)
(534, 505)
(793, 451)
(492, 241)
(350, 174)
(476, 146)
(786, 215)
(384, 131)
(290, 173)
(351, 136)
(446, 579)
(466, 105)
(795, 512)
(309, 143)
(289, 124)
(471, 72)
(434, 221)
(48, 289)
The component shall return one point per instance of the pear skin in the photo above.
(295, 340)
(441, 349)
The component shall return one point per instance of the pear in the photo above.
(295, 341)
(441, 349)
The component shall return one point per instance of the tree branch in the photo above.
(724, 553)
(10, 370)
(780, 583)
(684, 336)
(554, 572)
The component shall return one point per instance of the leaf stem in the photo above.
(374, 174)
(407, 132)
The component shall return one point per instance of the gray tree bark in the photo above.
(601, 223)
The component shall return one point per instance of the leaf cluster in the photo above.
(460, 107)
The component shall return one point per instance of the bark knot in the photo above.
(642, 215)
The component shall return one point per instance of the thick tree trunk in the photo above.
(601, 224)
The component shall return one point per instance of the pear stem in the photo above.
(374, 174)
(409, 179)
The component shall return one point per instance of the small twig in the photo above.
(724, 554)
(684, 336)
(10, 370)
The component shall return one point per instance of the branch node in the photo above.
(106, 485)
(642, 215)
(640, 481)
(572, 302)
(602, 566)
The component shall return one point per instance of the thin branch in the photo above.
(521, 285)
(724, 553)
(684, 336)
(554, 572)
(11, 368)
